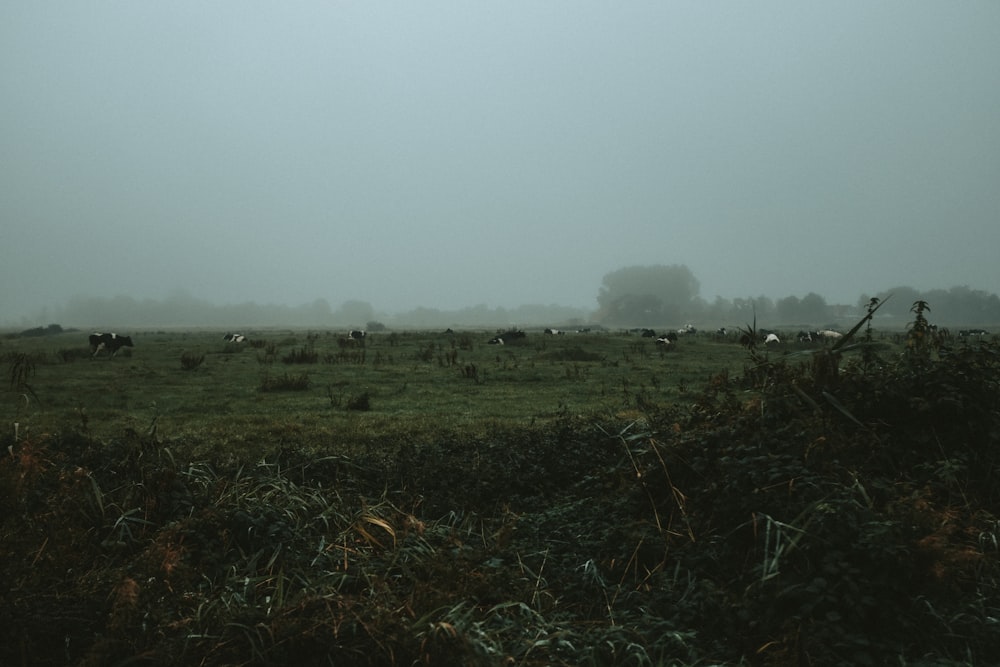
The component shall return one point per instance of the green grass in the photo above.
(570, 501)
(416, 382)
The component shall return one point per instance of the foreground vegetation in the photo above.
(428, 499)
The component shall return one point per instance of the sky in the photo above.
(452, 154)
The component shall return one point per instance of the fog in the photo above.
(449, 154)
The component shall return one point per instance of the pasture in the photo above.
(427, 498)
(309, 389)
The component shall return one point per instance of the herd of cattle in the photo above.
(113, 342)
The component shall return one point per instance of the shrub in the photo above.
(191, 360)
(285, 382)
(361, 402)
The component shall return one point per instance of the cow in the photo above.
(356, 334)
(771, 338)
(234, 338)
(669, 339)
(554, 332)
(507, 337)
(827, 335)
(965, 333)
(687, 329)
(108, 341)
(807, 336)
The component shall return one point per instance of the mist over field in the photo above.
(331, 164)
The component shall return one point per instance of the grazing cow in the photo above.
(965, 333)
(496, 340)
(356, 335)
(827, 335)
(771, 338)
(108, 341)
(687, 329)
(807, 336)
(554, 332)
(234, 338)
(668, 339)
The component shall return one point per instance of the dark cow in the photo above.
(554, 332)
(234, 338)
(507, 337)
(108, 341)
(356, 335)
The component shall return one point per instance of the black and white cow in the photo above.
(234, 338)
(554, 332)
(965, 333)
(668, 339)
(357, 334)
(108, 341)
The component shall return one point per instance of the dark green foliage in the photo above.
(360, 402)
(285, 382)
(823, 508)
(574, 353)
(20, 368)
(50, 330)
(191, 360)
(305, 355)
(70, 354)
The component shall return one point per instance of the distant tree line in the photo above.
(184, 310)
(661, 295)
(653, 296)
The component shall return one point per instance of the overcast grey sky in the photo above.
(448, 154)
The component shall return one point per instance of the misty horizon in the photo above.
(446, 155)
(955, 305)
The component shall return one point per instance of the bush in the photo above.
(191, 360)
(286, 382)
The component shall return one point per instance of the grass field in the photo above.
(431, 499)
(304, 386)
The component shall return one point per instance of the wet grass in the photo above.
(413, 382)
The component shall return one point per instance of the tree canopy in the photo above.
(647, 295)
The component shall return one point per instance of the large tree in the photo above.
(647, 295)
